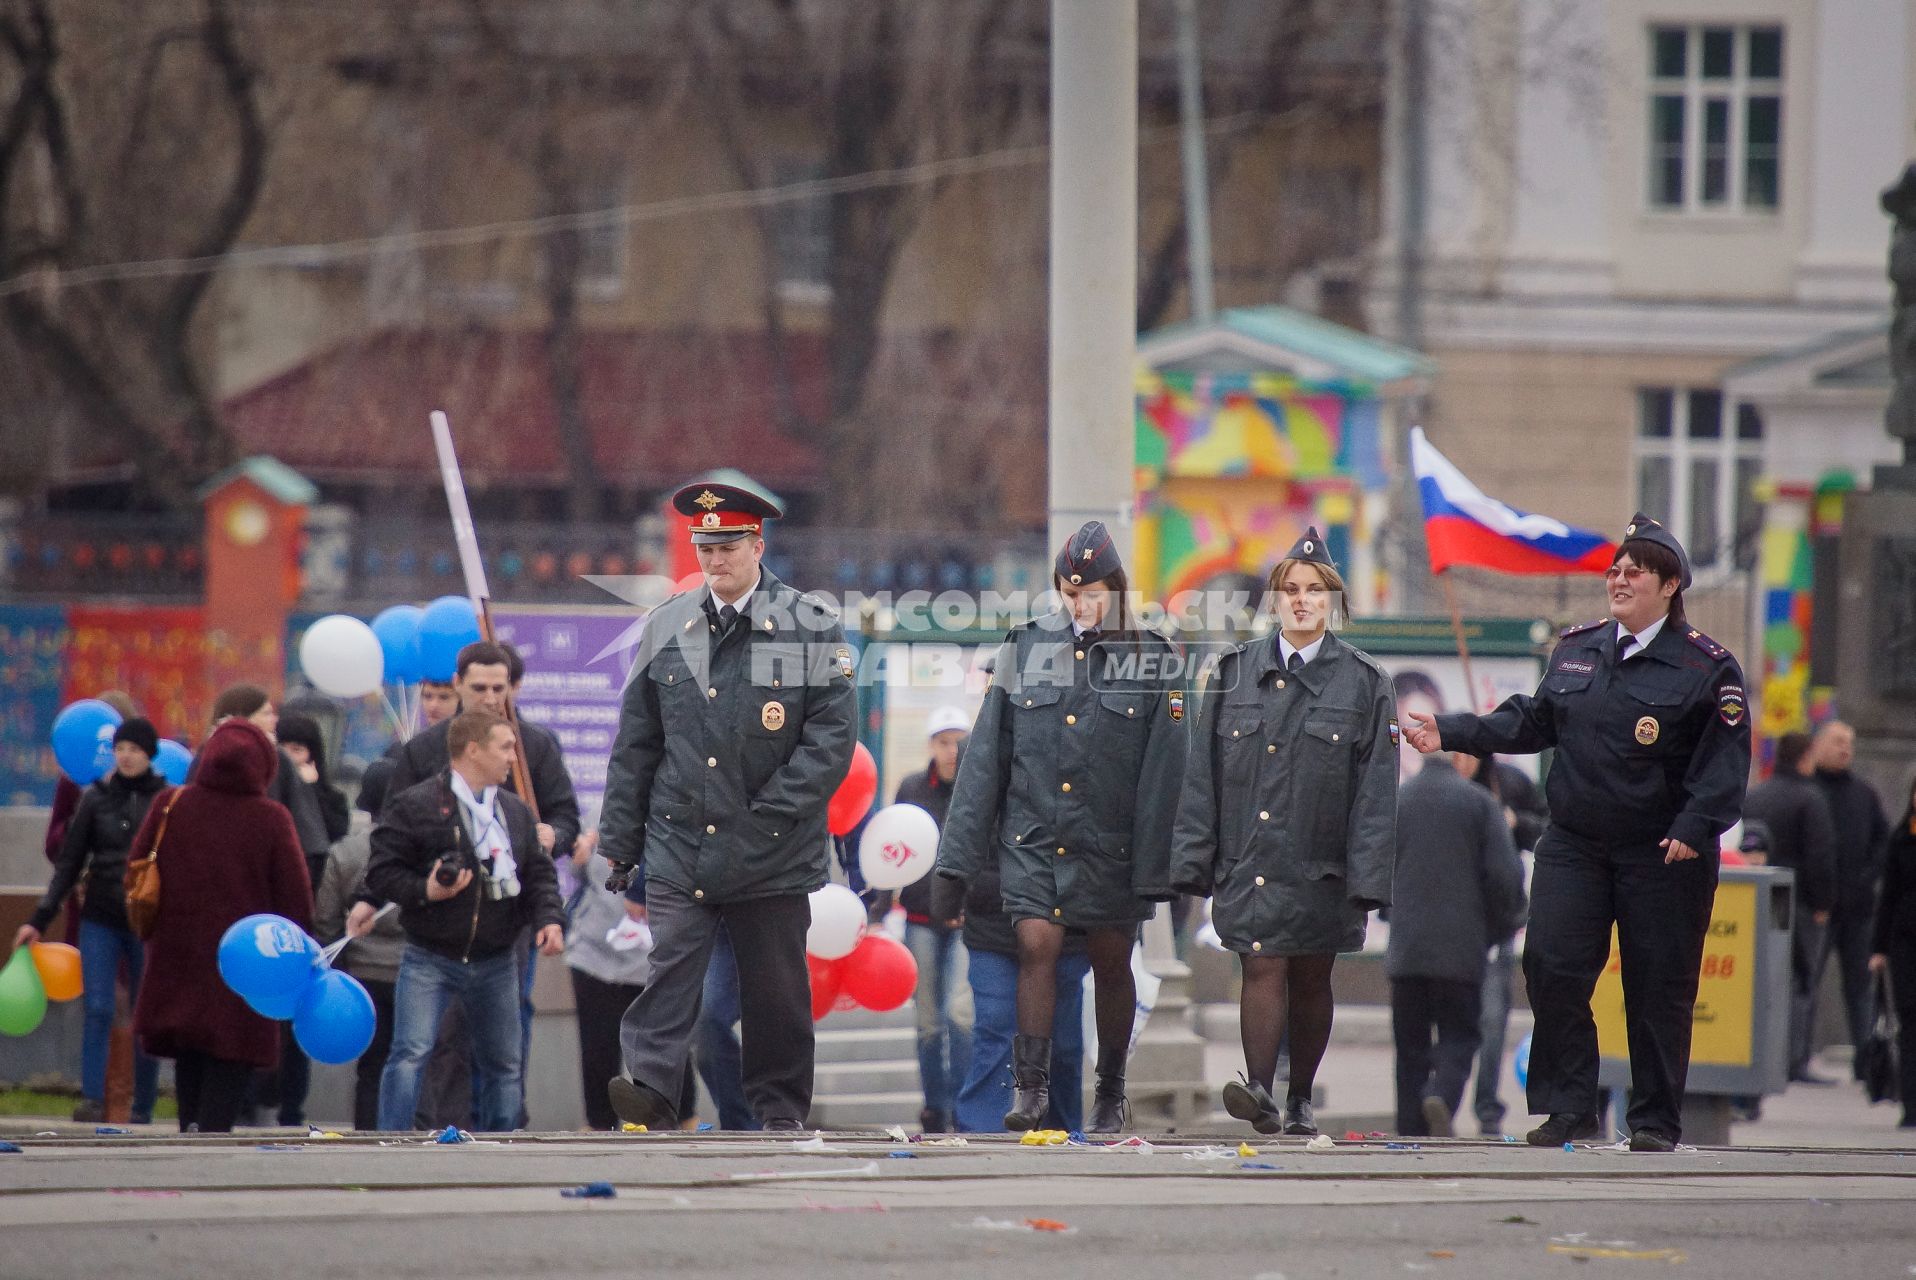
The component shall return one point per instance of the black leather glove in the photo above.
(621, 876)
(947, 898)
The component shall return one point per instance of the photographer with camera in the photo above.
(462, 858)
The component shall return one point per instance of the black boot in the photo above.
(1108, 1109)
(1031, 1076)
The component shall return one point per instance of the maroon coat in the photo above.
(228, 852)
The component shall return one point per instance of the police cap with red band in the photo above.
(722, 512)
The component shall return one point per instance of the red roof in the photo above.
(659, 406)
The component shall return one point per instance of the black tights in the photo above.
(211, 1091)
(1280, 990)
(1114, 990)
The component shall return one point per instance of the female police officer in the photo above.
(1652, 733)
(1070, 781)
(1289, 819)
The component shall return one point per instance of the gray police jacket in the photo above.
(1288, 817)
(1070, 777)
(729, 747)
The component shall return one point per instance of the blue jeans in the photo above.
(721, 1062)
(943, 1003)
(1499, 975)
(986, 1094)
(102, 950)
(489, 991)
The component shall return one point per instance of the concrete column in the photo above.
(1094, 275)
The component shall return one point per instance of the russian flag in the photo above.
(1463, 526)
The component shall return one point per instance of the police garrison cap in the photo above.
(1648, 530)
(1089, 555)
(1311, 549)
(722, 512)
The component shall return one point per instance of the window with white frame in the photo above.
(1716, 119)
(1698, 461)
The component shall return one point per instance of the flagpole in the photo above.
(1463, 645)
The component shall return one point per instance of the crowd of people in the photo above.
(1086, 794)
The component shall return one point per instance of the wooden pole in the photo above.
(1463, 646)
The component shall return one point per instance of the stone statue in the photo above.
(1899, 202)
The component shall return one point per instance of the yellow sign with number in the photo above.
(1723, 1026)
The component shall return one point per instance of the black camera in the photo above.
(446, 870)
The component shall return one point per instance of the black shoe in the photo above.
(1565, 1126)
(1109, 1110)
(1031, 1081)
(1438, 1119)
(89, 1112)
(931, 1121)
(1651, 1140)
(1248, 1100)
(783, 1124)
(640, 1104)
(1298, 1119)
(1806, 1076)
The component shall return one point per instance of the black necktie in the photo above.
(1624, 646)
(727, 616)
(1296, 663)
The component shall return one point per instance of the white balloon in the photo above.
(342, 657)
(838, 921)
(899, 846)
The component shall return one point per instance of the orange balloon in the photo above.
(59, 966)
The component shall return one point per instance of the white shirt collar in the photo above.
(1285, 649)
(718, 605)
(1644, 637)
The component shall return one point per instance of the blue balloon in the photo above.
(1522, 1063)
(447, 626)
(83, 739)
(334, 1021)
(278, 1008)
(267, 960)
(173, 762)
(398, 632)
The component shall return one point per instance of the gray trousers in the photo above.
(775, 997)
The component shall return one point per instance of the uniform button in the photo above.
(1333, 737)
(1257, 946)
(1264, 815)
(711, 831)
(776, 684)
(1234, 733)
(1130, 711)
(1271, 750)
(1027, 702)
(1280, 684)
(711, 628)
(1061, 851)
(1057, 911)
(711, 762)
(1260, 880)
(1071, 719)
(698, 893)
(1067, 786)
(1081, 653)
(711, 693)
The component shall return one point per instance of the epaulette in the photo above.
(1706, 644)
(826, 609)
(1567, 632)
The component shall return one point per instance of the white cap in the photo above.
(943, 718)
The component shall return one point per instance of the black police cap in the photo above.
(1089, 555)
(1311, 549)
(1645, 529)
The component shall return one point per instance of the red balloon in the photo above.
(853, 799)
(880, 973)
(826, 976)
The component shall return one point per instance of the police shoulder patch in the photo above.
(1706, 644)
(1567, 632)
(1731, 705)
(1174, 699)
(1396, 734)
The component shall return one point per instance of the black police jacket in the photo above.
(730, 746)
(422, 823)
(1070, 777)
(1655, 747)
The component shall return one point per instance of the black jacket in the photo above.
(1801, 837)
(424, 755)
(96, 842)
(1457, 886)
(1857, 816)
(1657, 746)
(423, 822)
(932, 794)
(731, 745)
(1895, 931)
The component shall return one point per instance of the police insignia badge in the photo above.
(1396, 735)
(708, 499)
(1729, 704)
(1176, 699)
(844, 659)
(772, 716)
(1647, 730)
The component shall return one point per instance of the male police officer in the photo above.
(737, 727)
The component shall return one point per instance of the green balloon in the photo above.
(23, 1001)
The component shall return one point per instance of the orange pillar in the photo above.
(255, 515)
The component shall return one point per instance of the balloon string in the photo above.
(334, 949)
(398, 725)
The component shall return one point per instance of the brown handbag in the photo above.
(143, 881)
